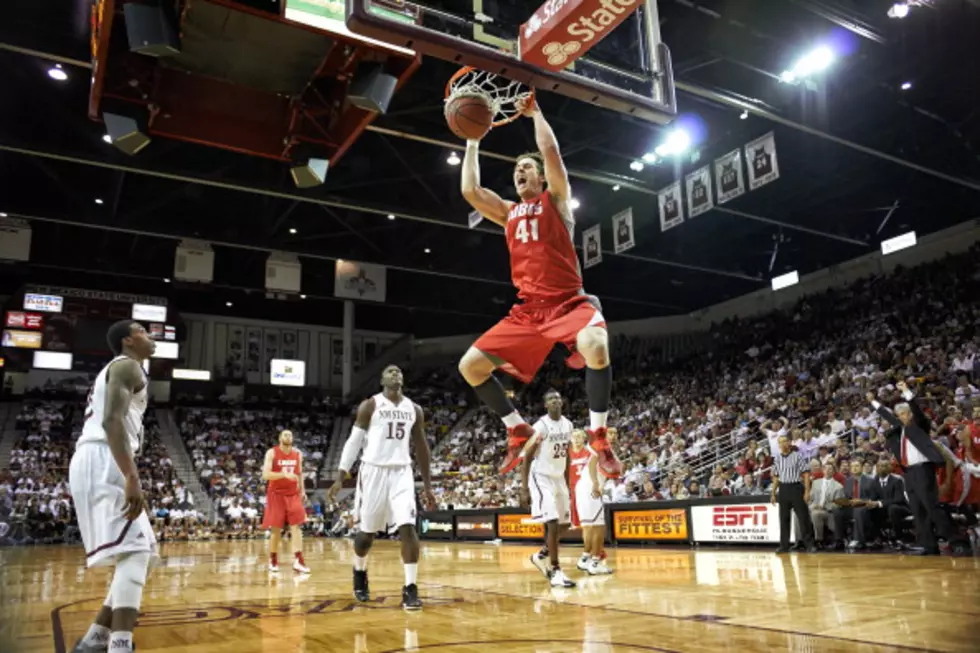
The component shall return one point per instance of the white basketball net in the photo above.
(500, 92)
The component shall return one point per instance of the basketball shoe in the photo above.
(299, 565)
(559, 579)
(598, 568)
(542, 563)
(584, 562)
(410, 598)
(361, 591)
(609, 464)
(274, 563)
(517, 437)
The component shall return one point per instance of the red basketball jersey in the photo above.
(543, 262)
(578, 465)
(285, 462)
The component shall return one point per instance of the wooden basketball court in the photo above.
(219, 598)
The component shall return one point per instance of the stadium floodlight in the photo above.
(636, 166)
(650, 157)
(785, 280)
(574, 203)
(898, 243)
(676, 143)
(906, 86)
(816, 61)
(57, 73)
(453, 159)
(615, 188)
(898, 10)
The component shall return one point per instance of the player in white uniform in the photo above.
(385, 495)
(544, 484)
(105, 488)
(588, 502)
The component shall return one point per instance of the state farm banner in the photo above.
(558, 33)
(742, 522)
(650, 525)
(518, 527)
(699, 192)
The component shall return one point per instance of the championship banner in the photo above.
(650, 525)
(728, 175)
(744, 522)
(761, 157)
(355, 280)
(475, 527)
(671, 206)
(518, 527)
(699, 192)
(623, 231)
(592, 246)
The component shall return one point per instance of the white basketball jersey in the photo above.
(390, 433)
(552, 456)
(92, 430)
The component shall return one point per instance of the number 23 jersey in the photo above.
(390, 432)
(543, 262)
(554, 438)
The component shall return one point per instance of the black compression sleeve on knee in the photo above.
(492, 394)
(598, 386)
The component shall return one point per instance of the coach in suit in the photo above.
(909, 441)
(856, 489)
(823, 493)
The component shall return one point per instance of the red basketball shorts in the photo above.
(282, 510)
(523, 339)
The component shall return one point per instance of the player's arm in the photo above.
(490, 205)
(594, 475)
(527, 454)
(125, 378)
(554, 167)
(300, 480)
(423, 457)
(357, 439)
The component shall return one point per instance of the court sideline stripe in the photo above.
(674, 618)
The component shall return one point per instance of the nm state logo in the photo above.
(361, 284)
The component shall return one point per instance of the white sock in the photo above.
(512, 420)
(411, 573)
(96, 636)
(597, 420)
(121, 642)
(360, 564)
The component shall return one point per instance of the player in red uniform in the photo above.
(285, 496)
(587, 509)
(554, 308)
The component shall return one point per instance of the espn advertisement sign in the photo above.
(561, 31)
(22, 320)
(475, 527)
(746, 522)
(518, 527)
(650, 525)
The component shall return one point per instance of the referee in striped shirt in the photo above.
(791, 487)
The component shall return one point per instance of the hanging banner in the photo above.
(699, 192)
(671, 206)
(592, 246)
(355, 280)
(728, 175)
(761, 157)
(623, 231)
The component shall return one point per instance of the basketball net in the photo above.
(500, 93)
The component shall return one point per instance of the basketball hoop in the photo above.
(500, 92)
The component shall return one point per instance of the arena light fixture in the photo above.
(574, 203)
(785, 280)
(166, 279)
(428, 251)
(454, 159)
(98, 200)
(898, 243)
(906, 86)
(292, 230)
(636, 166)
(650, 157)
(744, 115)
(815, 61)
(57, 73)
(898, 10)
(3, 215)
(616, 188)
(302, 296)
(107, 139)
(228, 304)
(391, 216)
(676, 143)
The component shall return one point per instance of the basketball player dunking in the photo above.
(385, 495)
(554, 308)
(587, 509)
(285, 499)
(105, 488)
(544, 485)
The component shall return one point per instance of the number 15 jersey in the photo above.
(543, 262)
(390, 432)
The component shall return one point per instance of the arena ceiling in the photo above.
(828, 206)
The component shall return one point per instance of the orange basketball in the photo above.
(469, 116)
